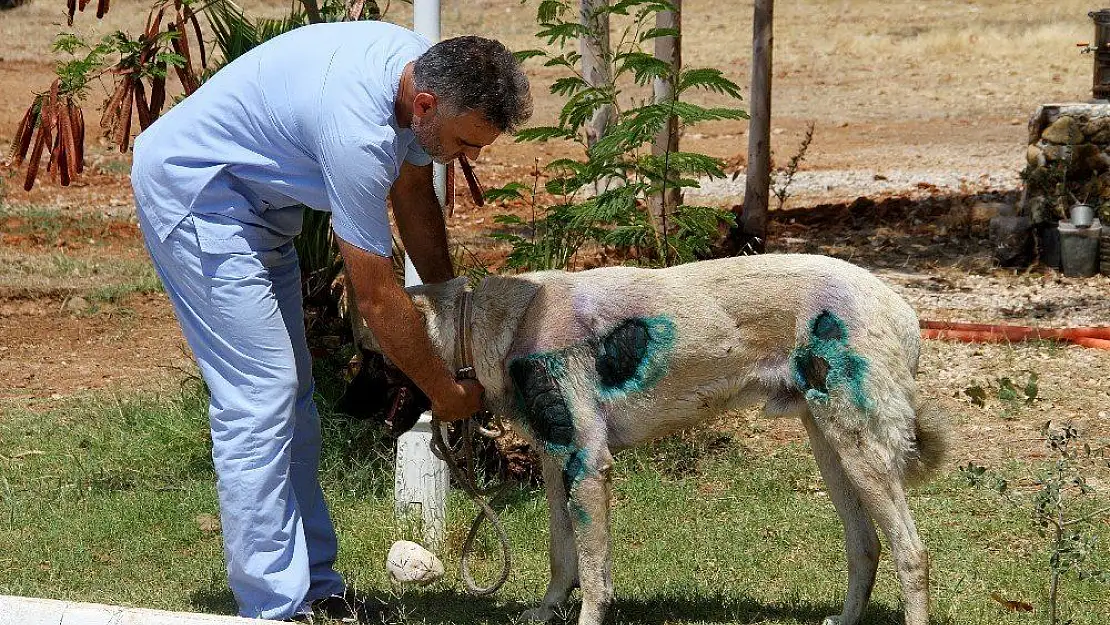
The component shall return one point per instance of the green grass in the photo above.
(49, 223)
(99, 501)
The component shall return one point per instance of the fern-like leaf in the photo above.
(644, 67)
(709, 79)
(568, 85)
(655, 33)
(544, 133)
(524, 55)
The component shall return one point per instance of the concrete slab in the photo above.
(30, 611)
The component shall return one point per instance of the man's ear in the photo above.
(424, 104)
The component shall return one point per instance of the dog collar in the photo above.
(464, 351)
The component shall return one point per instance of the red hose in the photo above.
(1098, 337)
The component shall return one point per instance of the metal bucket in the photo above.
(1079, 249)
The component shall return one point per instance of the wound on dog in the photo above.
(827, 363)
(633, 356)
(542, 404)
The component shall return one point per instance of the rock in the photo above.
(982, 212)
(77, 305)
(1012, 239)
(1035, 156)
(1104, 186)
(1098, 129)
(1098, 161)
(408, 562)
(1063, 131)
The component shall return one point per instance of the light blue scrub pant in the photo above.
(243, 318)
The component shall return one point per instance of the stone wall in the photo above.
(1068, 161)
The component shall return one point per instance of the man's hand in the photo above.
(457, 403)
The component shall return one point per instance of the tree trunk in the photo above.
(313, 11)
(753, 220)
(669, 50)
(596, 69)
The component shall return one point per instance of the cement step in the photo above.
(30, 611)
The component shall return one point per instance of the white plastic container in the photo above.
(421, 481)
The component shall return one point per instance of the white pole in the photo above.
(421, 480)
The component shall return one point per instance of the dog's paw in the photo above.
(831, 620)
(539, 614)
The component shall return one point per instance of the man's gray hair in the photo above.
(476, 74)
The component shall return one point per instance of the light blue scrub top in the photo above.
(306, 118)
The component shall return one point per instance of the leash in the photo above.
(468, 480)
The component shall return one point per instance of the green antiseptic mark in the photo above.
(539, 381)
(827, 363)
(634, 356)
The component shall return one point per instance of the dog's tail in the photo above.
(932, 438)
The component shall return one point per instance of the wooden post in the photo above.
(595, 62)
(753, 220)
(669, 50)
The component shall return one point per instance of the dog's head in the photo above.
(439, 304)
(381, 389)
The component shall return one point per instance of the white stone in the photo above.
(408, 563)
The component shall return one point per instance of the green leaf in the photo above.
(69, 43)
(566, 59)
(654, 33)
(710, 80)
(544, 133)
(524, 55)
(643, 66)
(977, 395)
(1031, 388)
(509, 220)
(568, 85)
(581, 106)
(550, 10)
(692, 113)
(1006, 389)
(563, 32)
(511, 191)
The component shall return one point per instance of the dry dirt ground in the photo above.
(919, 107)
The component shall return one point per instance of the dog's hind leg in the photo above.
(590, 496)
(879, 486)
(561, 550)
(860, 540)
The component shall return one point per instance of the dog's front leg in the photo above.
(589, 512)
(561, 549)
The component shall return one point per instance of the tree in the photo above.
(753, 221)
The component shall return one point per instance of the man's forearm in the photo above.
(394, 321)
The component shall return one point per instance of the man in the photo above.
(335, 117)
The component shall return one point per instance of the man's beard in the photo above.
(427, 135)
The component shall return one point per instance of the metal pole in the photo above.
(421, 480)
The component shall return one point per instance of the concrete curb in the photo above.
(28, 611)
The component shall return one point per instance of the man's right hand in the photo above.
(459, 401)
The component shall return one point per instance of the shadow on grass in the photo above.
(442, 607)
(215, 598)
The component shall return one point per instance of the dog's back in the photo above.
(793, 331)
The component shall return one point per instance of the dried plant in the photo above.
(54, 122)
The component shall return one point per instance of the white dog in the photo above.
(589, 363)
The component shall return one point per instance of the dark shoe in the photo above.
(349, 607)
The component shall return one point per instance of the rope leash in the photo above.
(469, 484)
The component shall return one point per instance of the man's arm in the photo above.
(419, 218)
(400, 331)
